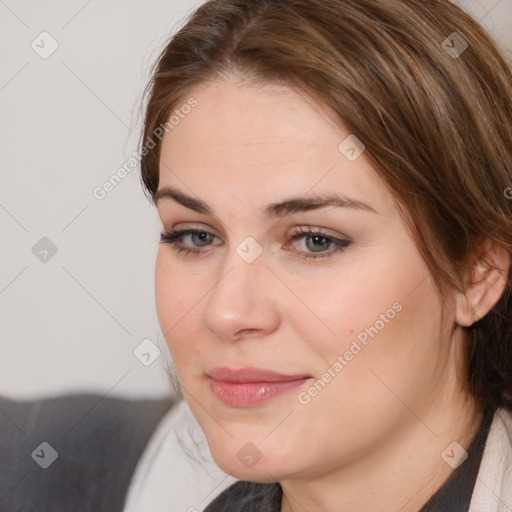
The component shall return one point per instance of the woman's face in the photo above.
(292, 365)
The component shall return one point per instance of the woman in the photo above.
(333, 281)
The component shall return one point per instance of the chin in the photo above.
(261, 472)
(249, 460)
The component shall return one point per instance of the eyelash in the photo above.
(175, 237)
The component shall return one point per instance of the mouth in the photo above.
(249, 387)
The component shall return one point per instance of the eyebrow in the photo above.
(288, 206)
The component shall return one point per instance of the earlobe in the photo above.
(485, 285)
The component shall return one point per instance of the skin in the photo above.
(372, 439)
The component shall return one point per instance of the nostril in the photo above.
(247, 333)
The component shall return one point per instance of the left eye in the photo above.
(317, 240)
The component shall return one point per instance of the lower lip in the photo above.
(250, 394)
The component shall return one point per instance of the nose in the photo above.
(242, 301)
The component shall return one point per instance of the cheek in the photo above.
(362, 398)
(175, 300)
(389, 344)
(373, 311)
(350, 308)
(167, 291)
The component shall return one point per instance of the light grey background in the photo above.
(67, 123)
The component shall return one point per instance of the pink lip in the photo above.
(246, 387)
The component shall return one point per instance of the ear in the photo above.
(485, 284)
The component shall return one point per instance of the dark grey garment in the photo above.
(97, 442)
(453, 496)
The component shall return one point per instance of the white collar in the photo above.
(493, 487)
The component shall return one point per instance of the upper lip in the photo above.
(250, 374)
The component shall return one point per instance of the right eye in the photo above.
(175, 238)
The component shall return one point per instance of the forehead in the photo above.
(253, 141)
(240, 118)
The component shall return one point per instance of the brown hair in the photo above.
(437, 125)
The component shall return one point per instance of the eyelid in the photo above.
(320, 231)
(192, 226)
